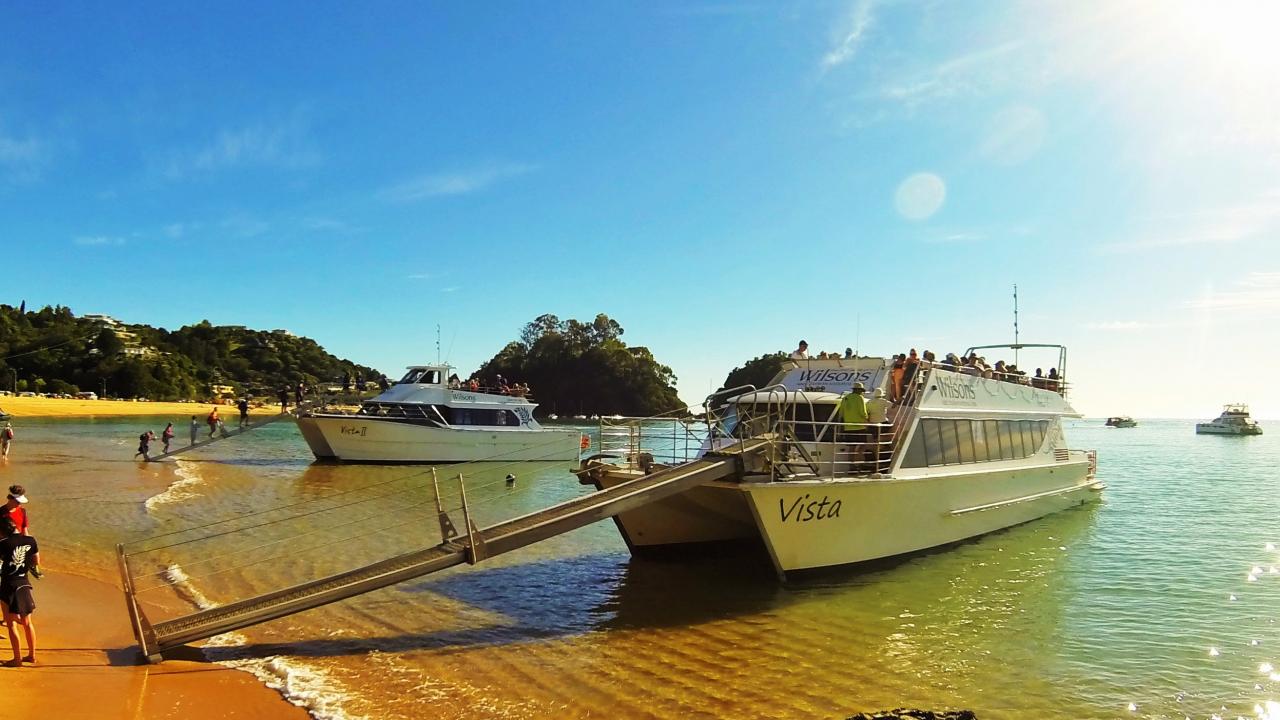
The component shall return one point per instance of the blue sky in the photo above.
(722, 178)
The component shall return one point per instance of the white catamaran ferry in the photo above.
(1234, 420)
(421, 419)
(959, 455)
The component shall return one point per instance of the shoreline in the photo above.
(38, 407)
(88, 666)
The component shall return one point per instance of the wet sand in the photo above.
(87, 666)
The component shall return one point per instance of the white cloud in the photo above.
(20, 159)
(420, 276)
(1230, 223)
(1256, 291)
(860, 20)
(284, 144)
(97, 240)
(245, 226)
(453, 183)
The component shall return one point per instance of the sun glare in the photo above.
(1237, 33)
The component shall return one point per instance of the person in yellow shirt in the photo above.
(853, 413)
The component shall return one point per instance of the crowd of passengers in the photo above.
(904, 367)
(500, 386)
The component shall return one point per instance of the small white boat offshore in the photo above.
(1121, 421)
(1234, 420)
(421, 419)
(959, 455)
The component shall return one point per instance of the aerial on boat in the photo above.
(959, 452)
(421, 419)
(1234, 420)
(1121, 421)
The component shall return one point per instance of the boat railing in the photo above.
(670, 438)
(1057, 384)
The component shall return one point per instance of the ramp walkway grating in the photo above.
(471, 546)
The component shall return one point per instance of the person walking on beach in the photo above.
(284, 399)
(243, 406)
(144, 445)
(19, 555)
(213, 421)
(14, 511)
(298, 393)
(167, 436)
(6, 437)
(195, 429)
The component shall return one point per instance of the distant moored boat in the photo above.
(1234, 420)
(1122, 421)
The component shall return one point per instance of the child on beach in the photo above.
(167, 436)
(13, 508)
(19, 555)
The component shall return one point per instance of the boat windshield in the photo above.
(421, 376)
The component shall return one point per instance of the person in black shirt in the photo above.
(144, 445)
(19, 555)
(243, 407)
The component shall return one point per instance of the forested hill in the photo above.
(53, 351)
(575, 367)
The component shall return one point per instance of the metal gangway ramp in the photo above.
(471, 546)
(228, 434)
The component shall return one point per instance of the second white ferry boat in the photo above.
(421, 419)
(959, 455)
(1234, 420)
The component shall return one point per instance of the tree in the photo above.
(757, 371)
(584, 368)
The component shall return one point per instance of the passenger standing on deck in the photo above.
(144, 445)
(853, 411)
(243, 406)
(909, 368)
(195, 429)
(878, 416)
(167, 436)
(6, 437)
(346, 382)
(801, 352)
(13, 508)
(19, 555)
(213, 421)
(896, 374)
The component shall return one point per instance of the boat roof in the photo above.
(780, 396)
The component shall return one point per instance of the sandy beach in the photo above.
(87, 666)
(20, 407)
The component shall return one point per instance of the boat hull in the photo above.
(823, 523)
(1211, 429)
(712, 513)
(348, 438)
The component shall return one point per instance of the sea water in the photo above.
(1160, 601)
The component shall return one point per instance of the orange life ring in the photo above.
(585, 442)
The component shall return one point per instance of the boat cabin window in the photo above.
(421, 376)
(479, 417)
(811, 422)
(959, 442)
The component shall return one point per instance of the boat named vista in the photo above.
(958, 455)
(421, 419)
(1234, 420)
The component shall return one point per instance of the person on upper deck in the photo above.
(454, 382)
(897, 371)
(848, 353)
(801, 352)
(1051, 382)
(909, 367)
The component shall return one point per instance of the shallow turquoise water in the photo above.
(1142, 599)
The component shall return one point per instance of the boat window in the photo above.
(728, 420)
(964, 438)
(991, 429)
(482, 417)
(915, 456)
(932, 442)
(1037, 433)
(1007, 451)
(431, 376)
(979, 441)
(950, 449)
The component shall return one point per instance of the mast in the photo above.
(437, 343)
(1015, 324)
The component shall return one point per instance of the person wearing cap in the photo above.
(801, 352)
(6, 437)
(14, 510)
(878, 417)
(19, 555)
(853, 411)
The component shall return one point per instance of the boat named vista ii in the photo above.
(421, 419)
(958, 455)
(1234, 420)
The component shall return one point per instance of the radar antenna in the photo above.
(1015, 323)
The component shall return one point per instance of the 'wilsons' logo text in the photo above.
(835, 375)
(804, 509)
(953, 389)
